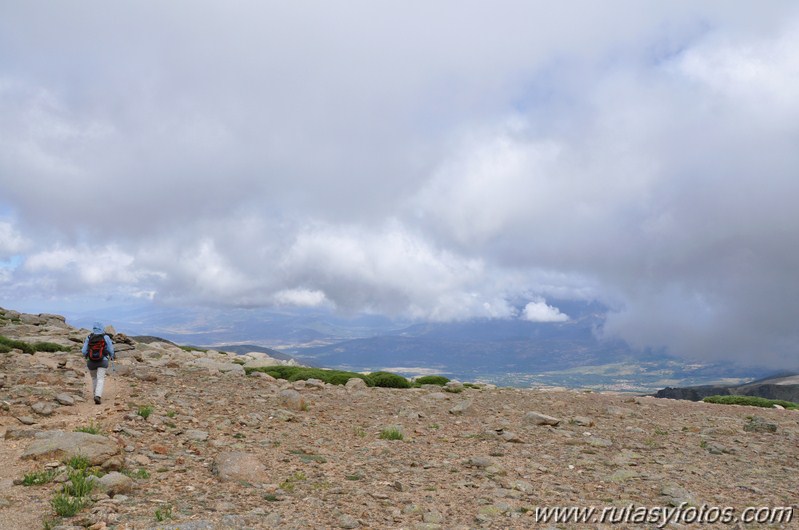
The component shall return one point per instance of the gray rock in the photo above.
(291, 399)
(196, 435)
(676, 495)
(348, 521)
(582, 421)
(240, 467)
(42, 409)
(356, 383)
(65, 399)
(536, 418)
(114, 483)
(315, 384)
(20, 434)
(461, 408)
(481, 462)
(511, 437)
(758, 424)
(60, 445)
(595, 441)
(26, 420)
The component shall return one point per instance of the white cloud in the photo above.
(646, 157)
(300, 298)
(11, 241)
(540, 311)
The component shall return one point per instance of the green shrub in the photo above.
(389, 380)
(439, 380)
(192, 349)
(6, 345)
(16, 344)
(752, 401)
(79, 484)
(302, 373)
(37, 478)
(144, 411)
(391, 434)
(49, 347)
(67, 506)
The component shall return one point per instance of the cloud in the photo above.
(542, 312)
(640, 155)
(11, 241)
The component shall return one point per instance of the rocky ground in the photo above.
(222, 449)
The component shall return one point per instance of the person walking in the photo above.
(97, 349)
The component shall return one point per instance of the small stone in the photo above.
(433, 517)
(461, 408)
(42, 409)
(65, 399)
(159, 449)
(196, 435)
(582, 421)
(536, 418)
(26, 420)
(348, 521)
(595, 441)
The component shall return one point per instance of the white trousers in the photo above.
(98, 380)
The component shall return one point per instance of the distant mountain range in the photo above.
(508, 352)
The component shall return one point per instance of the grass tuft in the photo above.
(37, 478)
(391, 434)
(144, 411)
(89, 429)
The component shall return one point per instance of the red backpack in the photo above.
(96, 347)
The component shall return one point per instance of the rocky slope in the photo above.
(221, 449)
(782, 387)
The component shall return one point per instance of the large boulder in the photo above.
(238, 466)
(61, 445)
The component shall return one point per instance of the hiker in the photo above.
(97, 350)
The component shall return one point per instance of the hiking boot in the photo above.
(96, 400)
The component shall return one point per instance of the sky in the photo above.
(422, 160)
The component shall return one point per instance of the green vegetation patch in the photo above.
(89, 429)
(752, 401)
(297, 373)
(439, 380)
(389, 380)
(37, 478)
(6, 345)
(391, 434)
(144, 411)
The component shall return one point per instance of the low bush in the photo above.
(49, 347)
(11, 344)
(752, 401)
(297, 373)
(65, 505)
(6, 345)
(388, 380)
(439, 380)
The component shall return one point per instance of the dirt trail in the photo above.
(28, 507)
